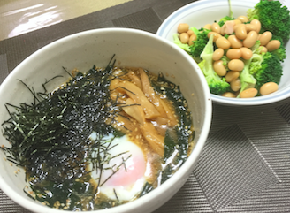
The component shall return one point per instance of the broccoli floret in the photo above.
(271, 70)
(196, 49)
(217, 85)
(200, 42)
(281, 52)
(265, 68)
(222, 21)
(256, 63)
(252, 14)
(178, 42)
(273, 18)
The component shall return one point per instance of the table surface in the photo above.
(245, 164)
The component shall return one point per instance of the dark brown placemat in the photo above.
(245, 164)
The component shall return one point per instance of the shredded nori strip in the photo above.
(49, 137)
(146, 189)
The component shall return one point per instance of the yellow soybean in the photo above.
(273, 45)
(236, 65)
(250, 40)
(215, 28)
(183, 37)
(243, 19)
(265, 38)
(235, 42)
(231, 76)
(246, 53)
(219, 68)
(223, 43)
(191, 39)
(233, 53)
(249, 93)
(268, 88)
(241, 32)
(257, 23)
(229, 95)
(182, 28)
(236, 85)
(217, 54)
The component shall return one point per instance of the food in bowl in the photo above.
(82, 50)
(243, 57)
(101, 139)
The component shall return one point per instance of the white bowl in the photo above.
(96, 47)
(204, 12)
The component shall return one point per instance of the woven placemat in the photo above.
(245, 164)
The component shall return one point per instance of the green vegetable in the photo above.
(271, 70)
(260, 68)
(225, 60)
(265, 68)
(246, 78)
(273, 18)
(200, 42)
(256, 63)
(217, 85)
(198, 45)
(281, 52)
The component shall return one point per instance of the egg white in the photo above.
(122, 155)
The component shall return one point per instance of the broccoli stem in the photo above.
(247, 80)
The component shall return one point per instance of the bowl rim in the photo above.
(184, 169)
(200, 5)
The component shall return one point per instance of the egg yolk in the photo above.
(129, 166)
(128, 173)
